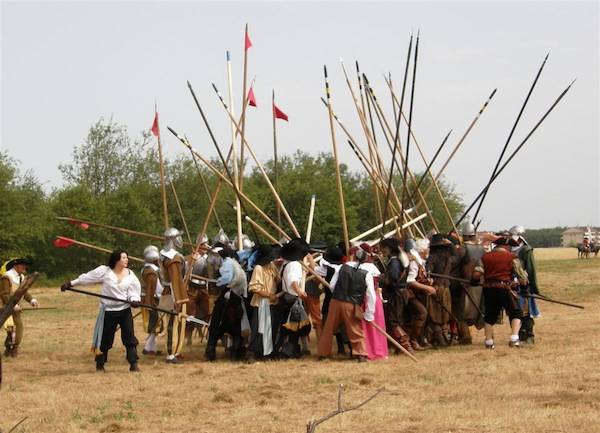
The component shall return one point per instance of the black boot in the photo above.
(100, 361)
(134, 368)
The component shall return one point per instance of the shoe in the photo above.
(416, 346)
(14, 352)
(210, 355)
(321, 358)
(361, 358)
(490, 346)
(100, 369)
(149, 352)
(516, 344)
(174, 360)
(134, 368)
(306, 352)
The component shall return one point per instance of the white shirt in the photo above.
(372, 271)
(128, 288)
(413, 271)
(292, 273)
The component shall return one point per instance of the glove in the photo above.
(65, 286)
(34, 303)
(17, 308)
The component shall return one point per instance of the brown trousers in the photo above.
(18, 329)
(346, 313)
(313, 308)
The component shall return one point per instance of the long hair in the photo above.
(114, 257)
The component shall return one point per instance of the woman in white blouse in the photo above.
(120, 282)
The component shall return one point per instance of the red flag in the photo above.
(154, 128)
(251, 98)
(76, 223)
(247, 41)
(62, 242)
(278, 113)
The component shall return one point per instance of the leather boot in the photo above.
(402, 338)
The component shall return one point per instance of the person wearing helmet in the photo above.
(524, 252)
(173, 273)
(9, 282)
(152, 290)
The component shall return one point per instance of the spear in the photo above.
(275, 160)
(187, 232)
(205, 186)
(247, 44)
(337, 166)
(511, 134)
(311, 215)
(512, 155)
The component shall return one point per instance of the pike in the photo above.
(311, 215)
(163, 187)
(206, 190)
(460, 280)
(338, 175)
(135, 304)
(397, 134)
(511, 134)
(176, 197)
(554, 301)
(244, 106)
(512, 155)
(410, 117)
(117, 229)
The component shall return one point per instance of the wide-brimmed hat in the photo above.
(391, 243)
(18, 261)
(265, 254)
(439, 240)
(506, 241)
(334, 255)
(295, 249)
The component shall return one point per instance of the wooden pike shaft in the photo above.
(228, 182)
(163, 187)
(311, 215)
(205, 186)
(176, 197)
(261, 169)
(275, 168)
(337, 166)
(374, 229)
(236, 177)
(244, 106)
(462, 139)
(404, 226)
(117, 229)
(394, 342)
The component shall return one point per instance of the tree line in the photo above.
(113, 178)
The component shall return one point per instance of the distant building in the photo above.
(573, 236)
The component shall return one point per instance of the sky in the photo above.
(64, 65)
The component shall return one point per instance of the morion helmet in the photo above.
(151, 254)
(468, 229)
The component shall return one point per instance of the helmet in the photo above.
(173, 238)
(151, 254)
(246, 242)
(409, 244)
(518, 230)
(221, 238)
(468, 229)
(202, 239)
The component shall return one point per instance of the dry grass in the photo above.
(552, 387)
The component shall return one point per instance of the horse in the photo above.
(583, 252)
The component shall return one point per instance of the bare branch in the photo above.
(311, 426)
(17, 425)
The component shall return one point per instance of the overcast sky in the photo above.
(65, 65)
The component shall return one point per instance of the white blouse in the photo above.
(128, 287)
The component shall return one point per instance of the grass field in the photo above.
(553, 386)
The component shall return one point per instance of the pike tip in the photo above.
(572, 82)
(325, 70)
(228, 56)
(189, 84)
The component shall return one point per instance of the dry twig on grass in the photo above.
(311, 426)
(15, 426)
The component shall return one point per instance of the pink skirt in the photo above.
(375, 342)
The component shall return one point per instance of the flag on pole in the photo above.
(62, 242)
(247, 41)
(154, 128)
(278, 114)
(80, 224)
(251, 97)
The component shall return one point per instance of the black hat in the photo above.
(295, 249)
(438, 240)
(334, 255)
(18, 261)
(265, 254)
(392, 244)
(506, 241)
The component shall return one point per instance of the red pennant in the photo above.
(154, 128)
(251, 97)
(62, 242)
(279, 114)
(80, 224)
(247, 41)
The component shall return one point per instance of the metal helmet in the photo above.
(221, 238)
(151, 254)
(468, 229)
(202, 239)
(246, 242)
(517, 230)
(173, 239)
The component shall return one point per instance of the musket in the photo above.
(554, 301)
(135, 304)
